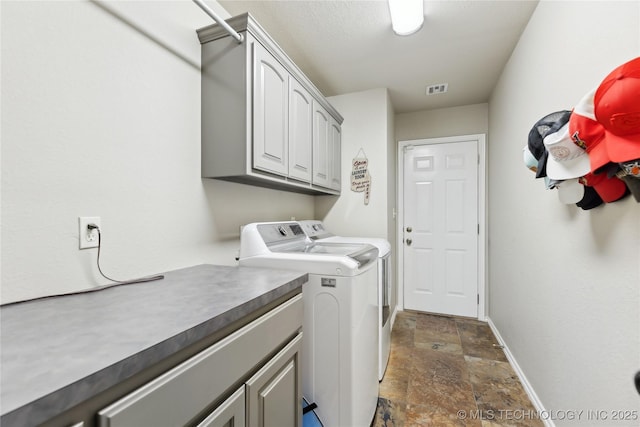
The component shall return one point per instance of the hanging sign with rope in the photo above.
(360, 178)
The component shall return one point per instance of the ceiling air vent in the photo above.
(436, 89)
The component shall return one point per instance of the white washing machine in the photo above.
(339, 356)
(316, 230)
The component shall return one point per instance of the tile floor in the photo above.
(446, 371)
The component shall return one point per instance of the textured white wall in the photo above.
(564, 283)
(465, 120)
(101, 117)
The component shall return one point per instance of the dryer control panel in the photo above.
(281, 233)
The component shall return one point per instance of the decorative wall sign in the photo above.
(360, 178)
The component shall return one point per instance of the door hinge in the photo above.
(478, 298)
(478, 229)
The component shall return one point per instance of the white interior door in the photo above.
(441, 227)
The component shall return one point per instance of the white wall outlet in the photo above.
(88, 238)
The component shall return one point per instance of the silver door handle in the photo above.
(409, 229)
(409, 242)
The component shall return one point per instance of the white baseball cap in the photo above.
(570, 191)
(566, 159)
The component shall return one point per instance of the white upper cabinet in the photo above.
(327, 149)
(320, 145)
(335, 146)
(300, 131)
(263, 122)
(270, 113)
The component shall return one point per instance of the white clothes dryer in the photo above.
(316, 230)
(339, 354)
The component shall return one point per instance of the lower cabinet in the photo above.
(230, 413)
(255, 373)
(274, 393)
(270, 398)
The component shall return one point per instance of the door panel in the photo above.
(274, 393)
(441, 228)
(270, 120)
(336, 155)
(321, 137)
(300, 131)
(230, 414)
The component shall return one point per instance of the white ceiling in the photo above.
(347, 46)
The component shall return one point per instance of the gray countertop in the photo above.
(58, 352)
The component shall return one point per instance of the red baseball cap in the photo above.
(609, 189)
(617, 108)
(587, 133)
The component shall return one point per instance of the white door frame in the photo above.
(482, 214)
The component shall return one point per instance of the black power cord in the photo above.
(121, 282)
(96, 289)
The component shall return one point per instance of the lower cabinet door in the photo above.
(230, 414)
(274, 393)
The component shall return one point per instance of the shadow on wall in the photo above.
(109, 10)
(233, 205)
(324, 205)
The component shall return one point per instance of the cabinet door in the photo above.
(320, 145)
(229, 414)
(274, 393)
(300, 133)
(270, 114)
(336, 155)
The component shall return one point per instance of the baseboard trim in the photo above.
(523, 378)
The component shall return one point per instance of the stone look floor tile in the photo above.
(437, 333)
(498, 392)
(440, 365)
(478, 340)
(439, 379)
(389, 414)
(394, 387)
(431, 415)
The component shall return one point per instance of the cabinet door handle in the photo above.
(409, 241)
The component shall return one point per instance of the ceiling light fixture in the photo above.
(407, 16)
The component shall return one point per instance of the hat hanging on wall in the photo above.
(609, 189)
(630, 174)
(566, 160)
(570, 191)
(617, 109)
(590, 199)
(532, 164)
(548, 124)
(588, 133)
(592, 153)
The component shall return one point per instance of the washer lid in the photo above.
(384, 247)
(316, 231)
(363, 254)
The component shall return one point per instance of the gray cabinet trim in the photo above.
(230, 413)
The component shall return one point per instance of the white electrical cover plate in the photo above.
(88, 238)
